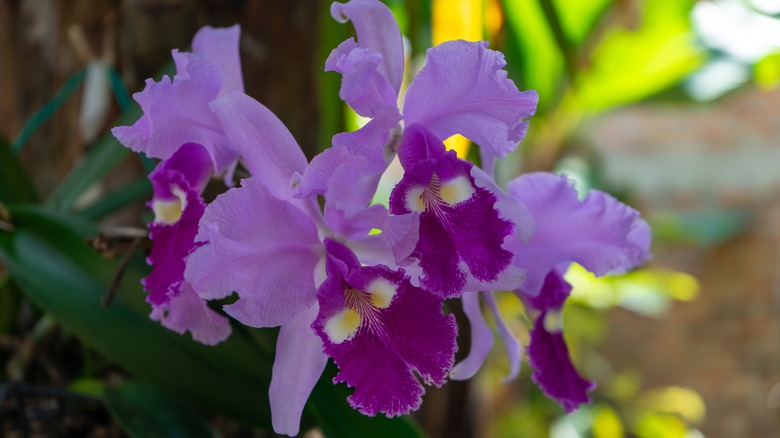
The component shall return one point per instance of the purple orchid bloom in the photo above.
(267, 245)
(178, 207)
(371, 320)
(462, 89)
(179, 127)
(600, 233)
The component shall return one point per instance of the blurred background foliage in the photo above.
(80, 357)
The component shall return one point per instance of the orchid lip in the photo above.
(374, 322)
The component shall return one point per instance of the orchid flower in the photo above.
(354, 281)
(178, 126)
(600, 233)
(462, 89)
(271, 248)
(178, 207)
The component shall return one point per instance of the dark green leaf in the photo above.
(49, 260)
(578, 19)
(48, 110)
(706, 228)
(15, 184)
(9, 303)
(144, 412)
(61, 274)
(328, 404)
(97, 163)
(631, 65)
(535, 59)
(134, 191)
(103, 157)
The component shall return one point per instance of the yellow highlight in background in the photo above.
(463, 20)
(606, 423)
(609, 291)
(676, 400)
(457, 20)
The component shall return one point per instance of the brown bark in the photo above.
(278, 48)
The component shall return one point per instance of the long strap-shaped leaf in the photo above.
(46, 255)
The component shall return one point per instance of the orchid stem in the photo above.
(113, 289)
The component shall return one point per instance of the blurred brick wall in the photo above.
(726, 344)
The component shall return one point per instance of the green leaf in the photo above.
(579, 18)
(48, 110)
(134, 191)
(96, 164)
(328, 404)
(89, 386)
(15, 183)
(49, 260)
(102, 158)
(47, 257)
(9, 304)
(630, 65)
(707, 228)
(144, 412)
(535, 59)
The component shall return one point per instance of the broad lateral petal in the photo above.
(377, 31)
(514, 350)
(600, 233)
(463, 89)
(481, 339)
(220, 46)
(177, 112)
(187, 312)
(269, 150)
(370, 322)
(297, 367)
(637, 246)
(261, 247)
